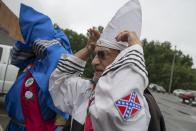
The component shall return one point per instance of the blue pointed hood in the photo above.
(35, 25)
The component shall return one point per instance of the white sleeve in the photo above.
(69, 91)
(119, 102)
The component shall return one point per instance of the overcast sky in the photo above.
(163, 20)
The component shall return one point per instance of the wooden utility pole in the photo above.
(172, 71)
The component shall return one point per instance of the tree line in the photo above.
(158, 59)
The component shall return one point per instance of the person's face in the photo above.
(102, 58)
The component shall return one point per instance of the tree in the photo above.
(159, 58)
(78, 41)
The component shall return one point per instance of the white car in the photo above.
(177, 92)
(157, 88)
(8, 72)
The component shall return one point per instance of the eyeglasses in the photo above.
(102, 55)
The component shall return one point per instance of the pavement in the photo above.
(178, 116)
(3, 115)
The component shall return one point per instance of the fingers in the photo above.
(122, 36)
(93, 34)
(130, 37)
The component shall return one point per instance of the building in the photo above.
(9, 26)
(5, 39)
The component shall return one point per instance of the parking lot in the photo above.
(178, 116)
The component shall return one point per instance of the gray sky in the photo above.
(163, 20)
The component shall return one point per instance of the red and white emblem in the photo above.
(128, 106)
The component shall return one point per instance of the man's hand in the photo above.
(129, 37)
(93, 36)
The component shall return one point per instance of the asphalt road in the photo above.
(178, 116)
(3, 116)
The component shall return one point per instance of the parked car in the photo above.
(157, 88)
(194, 93)
(189, 95)
(8, 72)
(177, 92)
(161, 89)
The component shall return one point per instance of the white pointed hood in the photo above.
(128, 17)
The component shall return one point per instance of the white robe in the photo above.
(127, 74)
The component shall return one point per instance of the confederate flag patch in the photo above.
(128, 106)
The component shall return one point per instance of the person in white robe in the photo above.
(113, 100)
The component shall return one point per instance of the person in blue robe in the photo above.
(38, 56)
